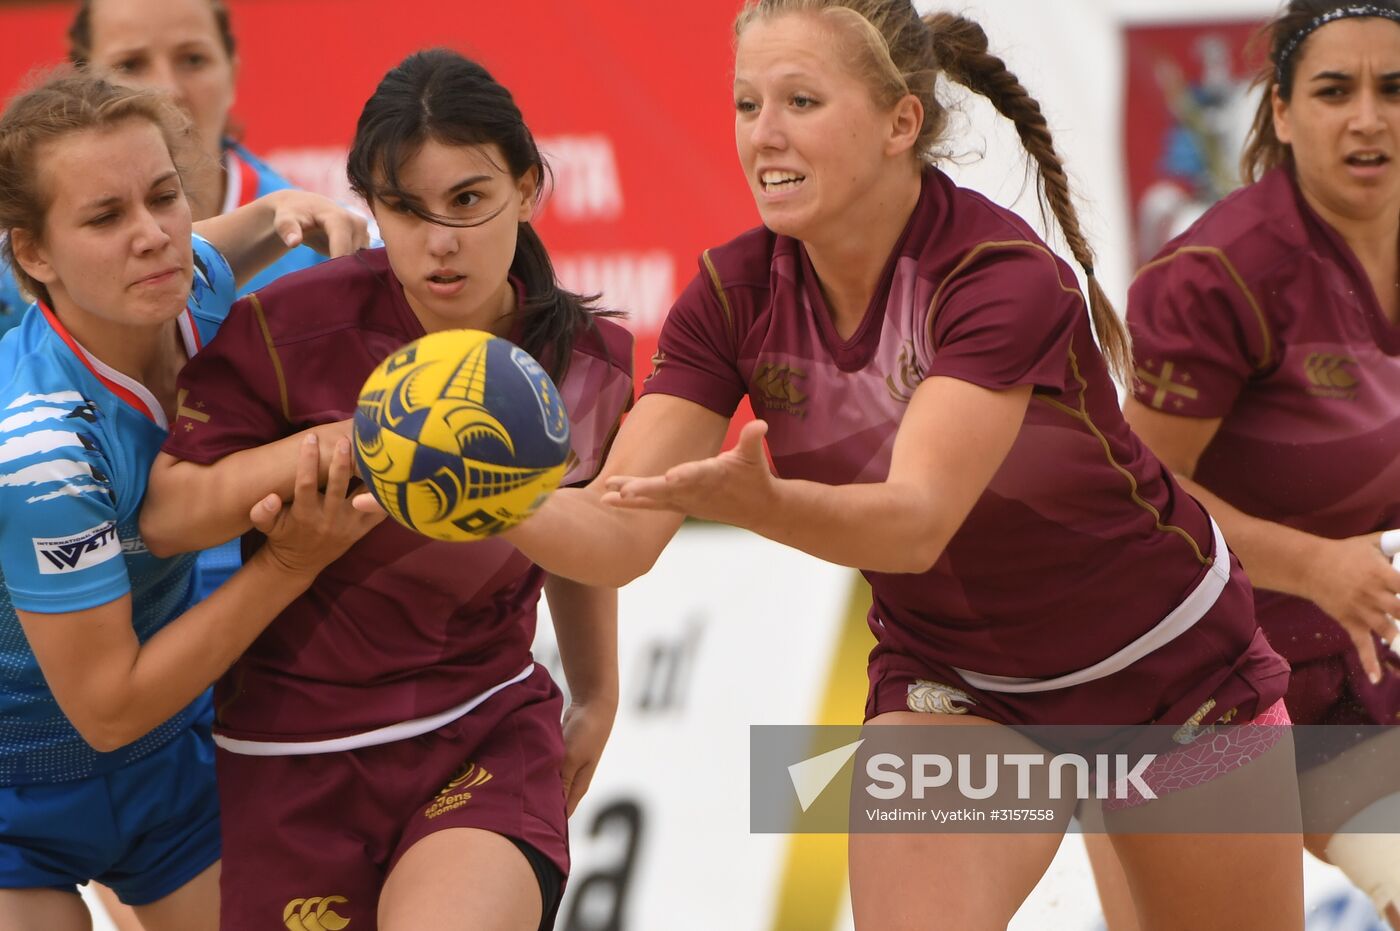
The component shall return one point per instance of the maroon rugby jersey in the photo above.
(400, 627)
(1262, 316)
(1082, 541)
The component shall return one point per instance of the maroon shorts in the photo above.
(305, 836)
(1221, 668)
(1335, 690)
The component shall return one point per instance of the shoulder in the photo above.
(956, 231)
(746, 261)
(269, 179)
(47, 418)
(212, 287)
(608, 342)
(342, 293)
(1247, 237)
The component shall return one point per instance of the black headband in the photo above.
(1356, 10)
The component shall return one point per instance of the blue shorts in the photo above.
(144, 830)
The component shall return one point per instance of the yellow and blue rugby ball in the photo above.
(460, 435)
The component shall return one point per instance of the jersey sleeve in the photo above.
(597, 391)
(213, 290)
(1199, 334)
(1005, 319)
(233, 393)
(59, 547)
(697, 350)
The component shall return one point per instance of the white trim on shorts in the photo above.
(380, 735)
(1182, 618)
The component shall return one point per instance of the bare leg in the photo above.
(192, 907)
(1114, 895)
(461, 878)
(43, 910)
(899, 882)
(123, 917)
(1218, 882)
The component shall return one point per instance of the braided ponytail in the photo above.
(960, 48)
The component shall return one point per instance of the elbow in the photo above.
(158, 540)
(106, 735)
(619, 575)
(915, 558)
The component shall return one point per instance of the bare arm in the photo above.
(585, 627)
(951, 442)
(1349, 579)
(577, 536)
(258, 234)
(190, 506)
(115, 689)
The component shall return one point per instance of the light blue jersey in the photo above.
(77, 440)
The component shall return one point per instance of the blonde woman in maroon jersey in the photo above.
(939, 416)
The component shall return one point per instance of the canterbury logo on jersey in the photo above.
(773, 388)
(1331, 376)
(80, 551)
(315, 914)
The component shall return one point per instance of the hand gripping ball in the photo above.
(460, 435)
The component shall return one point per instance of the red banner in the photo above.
(1187, 110)
(630, 100)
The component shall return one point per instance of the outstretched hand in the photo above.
(735, 487)
(301, 217)
(311, 532)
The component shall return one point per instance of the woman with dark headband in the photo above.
(1268, 360)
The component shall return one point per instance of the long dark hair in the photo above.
(1263, 150)
(442, 96)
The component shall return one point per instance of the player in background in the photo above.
(105, 756)
(940, 417)
(186, 48)
(1268, 379)
(388, 750)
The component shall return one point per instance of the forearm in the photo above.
(184, 657)
(1276, 556)
(881, 526)
(585, 628)
(246, 237)
(190, 506)
(576, 536)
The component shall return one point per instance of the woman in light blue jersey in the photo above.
(105, 758)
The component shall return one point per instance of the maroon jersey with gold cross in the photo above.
(401, 627)
(1261, 316)
(1082, 541)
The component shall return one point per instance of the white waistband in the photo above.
(1180, 620)
(380, 735)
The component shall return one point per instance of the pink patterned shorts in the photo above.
(1209, 754)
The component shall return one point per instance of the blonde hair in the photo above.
(66, 103)
(898, 53)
